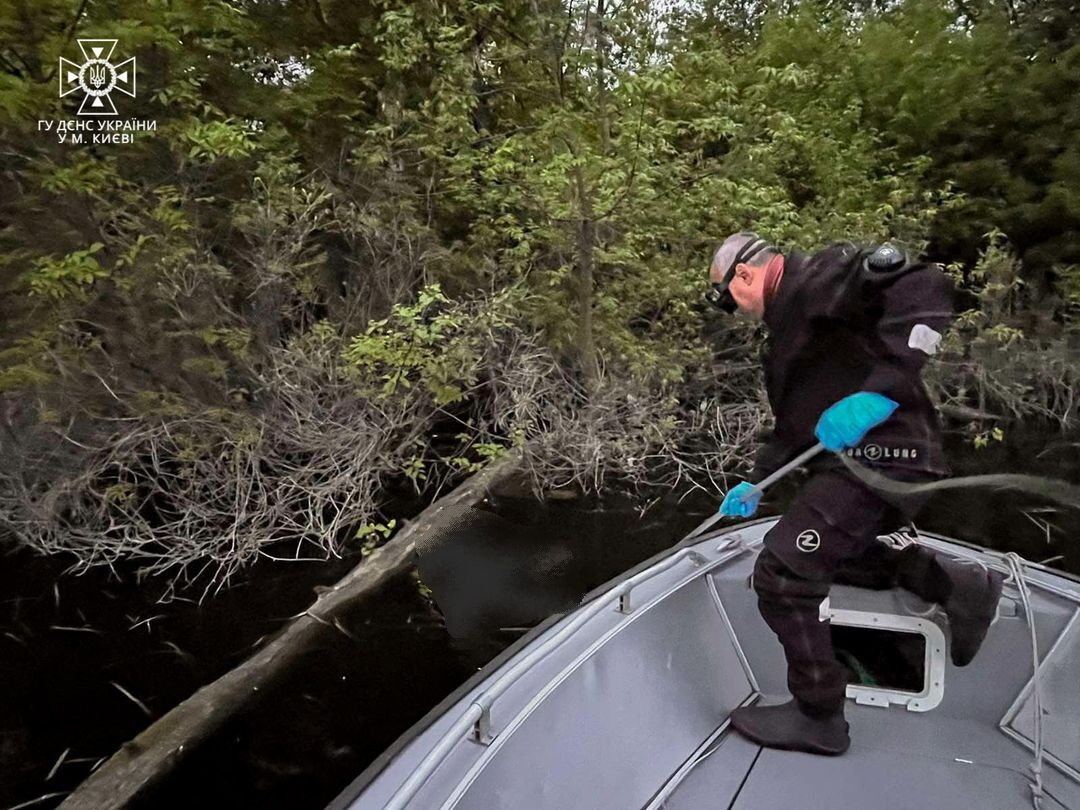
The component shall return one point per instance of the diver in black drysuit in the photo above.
(850, 329)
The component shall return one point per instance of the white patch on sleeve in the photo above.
(924, 338)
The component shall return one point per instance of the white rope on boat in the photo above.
(1016, 569)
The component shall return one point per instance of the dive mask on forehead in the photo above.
(719, 294)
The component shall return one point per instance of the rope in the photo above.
(1054, 489)
(1016, 569)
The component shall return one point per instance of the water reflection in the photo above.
(515, 560)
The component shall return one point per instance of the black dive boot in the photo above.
(787, 727)
(971, 607)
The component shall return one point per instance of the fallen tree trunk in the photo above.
(971, 414)
(144, 760)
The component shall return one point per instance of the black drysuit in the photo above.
(835, 328)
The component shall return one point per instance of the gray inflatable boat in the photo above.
(623, 703)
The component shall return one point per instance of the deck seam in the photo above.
(746, 776)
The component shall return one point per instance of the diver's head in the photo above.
(738, 273)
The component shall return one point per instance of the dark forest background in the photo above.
(372, 245)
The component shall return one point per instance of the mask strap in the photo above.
(746, 252)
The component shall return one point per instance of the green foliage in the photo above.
(58, 278)
(376, 530)
(415, 469)
(235, 339)
(601, 187)
(991, 114)
(15, 101)
(423, 344)
(996, 355)
(995, 281)
(23, 364)
(982, 439)
(82, 175)
(210, 366)
(210, 140)
(486, 452)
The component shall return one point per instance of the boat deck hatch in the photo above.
(891, 659)
(877, 658)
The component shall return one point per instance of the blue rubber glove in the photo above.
(735, 506)
(844, 423)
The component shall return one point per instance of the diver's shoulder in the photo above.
(839, 251)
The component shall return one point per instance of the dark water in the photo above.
(67, 644)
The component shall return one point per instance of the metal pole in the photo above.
(798, 461)
(760, 487)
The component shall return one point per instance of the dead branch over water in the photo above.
(196, 496)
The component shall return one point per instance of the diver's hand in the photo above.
(846, 422)
(735, 506)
